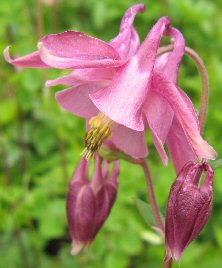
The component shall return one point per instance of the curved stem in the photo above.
(152, 197)
(205, 86)
(205, 81)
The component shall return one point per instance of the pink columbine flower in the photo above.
(189, 207)
(89, 202)
(120, 87)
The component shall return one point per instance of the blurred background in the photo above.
(40, 143)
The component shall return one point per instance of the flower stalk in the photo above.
(168, 263)
(153, 201)
(155, 207)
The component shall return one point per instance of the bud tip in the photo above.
(76, 247)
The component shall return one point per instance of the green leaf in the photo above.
(152, 238)
(146, 212)
(216, 164)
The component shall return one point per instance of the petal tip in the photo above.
(7, 54)
(49, 83)
(165, 161)
(166, 20)
(177, 256)
(210, 153)
(76, 247)
(141, 7)
(214, 154)
(39, 45)
(174, 253)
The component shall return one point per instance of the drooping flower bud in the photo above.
(90, 202)
(189, 207)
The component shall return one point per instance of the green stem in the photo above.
(205, 85)
(152, 197)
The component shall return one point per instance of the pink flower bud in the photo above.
(189, 207)
(90, 202)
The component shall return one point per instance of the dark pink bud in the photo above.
(189, 207)
(90, 202)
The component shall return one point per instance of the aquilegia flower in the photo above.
(122, 88)
(90, 202)
(189, 207)
(118, 90)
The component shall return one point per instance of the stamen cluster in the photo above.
(101, 131)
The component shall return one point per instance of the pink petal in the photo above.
(184, 115)
(113, 179)
(180, 149)
(158, 112)
(97, 181)
(126, 44)
(148, 49)
(81, 172)
(161, 62)
(171, 68)
(127, 41)
(72, 49)
(77, 101)
(81, 76)
(130, 141)
(135, 43)
(122, 101)
(159, 116)
(32, 60)
(190, 106)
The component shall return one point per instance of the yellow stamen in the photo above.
(101, 130)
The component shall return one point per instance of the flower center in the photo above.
(101, 130)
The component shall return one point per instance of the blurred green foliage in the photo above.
(40, 143)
